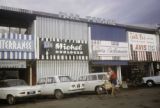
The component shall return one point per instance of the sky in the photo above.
(122, 11)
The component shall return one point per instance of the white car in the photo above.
(93, 81)
(59, 85)
(152, 80)
(12, 89)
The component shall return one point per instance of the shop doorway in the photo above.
(95, 69)
(12, 73)
(102, 68)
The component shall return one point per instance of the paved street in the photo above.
(131, 98)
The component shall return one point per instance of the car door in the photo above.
(2, 90)
(157, 79)
(101, 79)
(91, 83)
(41, 83)
(64, 83)
(49, 86)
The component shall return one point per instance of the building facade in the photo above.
(62, 47)
(17, 44)
(37, 44)
(109, 48)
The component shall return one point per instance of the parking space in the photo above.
(130, 98)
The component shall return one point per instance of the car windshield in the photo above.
(41, 81)
(14, 82)
(65, 79)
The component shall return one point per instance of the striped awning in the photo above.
(12, 64)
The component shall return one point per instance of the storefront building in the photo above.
(17, 45)
(52, 44)
(143, 53)
(109, 48)
(62, 47)
(36, 44)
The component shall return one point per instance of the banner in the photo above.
(109, 50)
(143, 47)
(142, 41)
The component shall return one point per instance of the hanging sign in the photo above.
(63, 49)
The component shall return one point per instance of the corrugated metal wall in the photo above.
(71, 68)
(62, 29)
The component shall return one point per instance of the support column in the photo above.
(151, 69)
(30, 75)
(119, 74)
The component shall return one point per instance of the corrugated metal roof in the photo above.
(138, 27)
(16, 9)
(45, 14)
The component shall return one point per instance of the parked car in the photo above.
(59, 85)
(93, 81)
(12, 89)
(152, 80)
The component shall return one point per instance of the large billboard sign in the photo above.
(109, 50)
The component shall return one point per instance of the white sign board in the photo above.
(109, 50)
(142, 41)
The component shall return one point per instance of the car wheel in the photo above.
(99, 90)
(59, 94)
(150, 83)
(11, 100)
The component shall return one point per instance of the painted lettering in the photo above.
(8, 45)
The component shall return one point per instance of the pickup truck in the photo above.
(152, 80)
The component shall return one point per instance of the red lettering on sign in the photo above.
(141, 47)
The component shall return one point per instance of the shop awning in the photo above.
(12, 64)
(109, 62)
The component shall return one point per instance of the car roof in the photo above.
(54, 76)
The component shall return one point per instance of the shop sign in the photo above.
(61, 47)
(109, 50)
(142, 41)
(16, 45)
(12, 64)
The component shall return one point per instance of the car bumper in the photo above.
(27, 96)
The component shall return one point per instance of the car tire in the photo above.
(99, 90)
(58, 94)
(11, 99)
(150, 83)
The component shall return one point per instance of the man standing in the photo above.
(113, 79)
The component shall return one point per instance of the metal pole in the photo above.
(30, 75)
